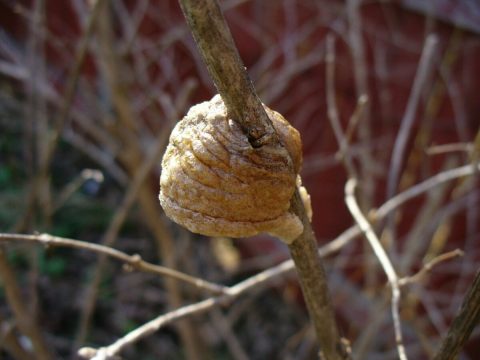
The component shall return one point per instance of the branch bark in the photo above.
(226, 69)
(463, 324)
(221, 57)
(26, 323)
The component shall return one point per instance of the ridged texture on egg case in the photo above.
(215, 183)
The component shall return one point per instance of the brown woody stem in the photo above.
(219, 53)
(463, 324)
(225, 67)
(313, 281)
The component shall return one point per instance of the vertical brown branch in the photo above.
(219, 53)
(221, 57)
(313, 281)
(26, 322)
(463, 324)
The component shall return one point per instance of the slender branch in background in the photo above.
(36, 122)
(443, 177)
(382, 258)
(356, 117)
(224, 329)
(72, 81)
(427, 268)
(26, 323)
(75, 184)
(41, 181)
(134, 262)
(109, 352)
(448, 148)
(424, 70)
(332, 109)
(11, 342)
(463, 324)
(356, 45)
(219, 53)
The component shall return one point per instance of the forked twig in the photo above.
(382, 257)
(429, 266)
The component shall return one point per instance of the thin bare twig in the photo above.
(332, 109)
(356, 116)
(224, 330)
(440, 178)
(360, 71)
(424, 70)
(149, 328)
(382, 258)
(447, 148)
(134, 262)
(41, 183)
(10, 341)
(71, 86)
(26, 323)
(75, 184)
(427, 268)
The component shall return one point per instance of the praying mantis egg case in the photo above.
(215, 183)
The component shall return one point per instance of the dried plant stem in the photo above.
(134, 262)
(424, 70)
(427, 268)
(360, 71)
(332, 109)
(221, 57)
(11, 342)
(26, 323)
(382, 258)
(463, 324)
(420, 188)
(448, 148)
(41, 183)
(224, 329)
(219, 53)
(313, 281)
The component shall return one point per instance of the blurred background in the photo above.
(89, 92)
